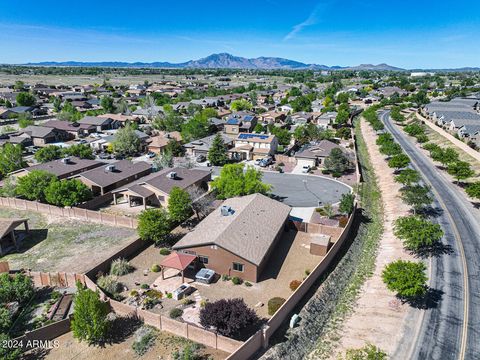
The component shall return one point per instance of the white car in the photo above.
(306, 169)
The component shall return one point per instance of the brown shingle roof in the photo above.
(123, 170)
(75, 165)
(248, 233)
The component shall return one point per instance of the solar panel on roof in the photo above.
(253, 136)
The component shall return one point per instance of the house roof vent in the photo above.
(65, 160)
(172, 175)
(110, 168)
(226, 210)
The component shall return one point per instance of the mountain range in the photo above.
(220, 61)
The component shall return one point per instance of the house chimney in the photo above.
(66, 160)
(110, 168)
(226, 210)
(172, 175)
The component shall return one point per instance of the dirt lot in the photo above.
(379, 316)
(60, 244)
(164, 347)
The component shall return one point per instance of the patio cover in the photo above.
(178, 261)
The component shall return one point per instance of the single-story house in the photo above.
(154, 189)
(75, 129)
(100, 123)
(43, 135)
(202, 146)
(62, 168)
(104, 179)
(238, 238)
(158, 143)
(314, 155)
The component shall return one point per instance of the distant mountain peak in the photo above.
(222, 61)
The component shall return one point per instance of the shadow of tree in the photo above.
(122, 327)
(435, 250)
(430, 300)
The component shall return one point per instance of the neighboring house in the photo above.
(250, 146)
(75, 129)
(110, 177)
(6, 113)
(301, 117)
(102, 143)
(208, 102)
(154, 189)
(314, 155)
(202, 146)
(240, 122)
(238, 238)
(273, 117)
(325, 120)
(159, 142)
(42, 135)
(317, 106)
(101, 123)
(148, 113)
(62, 168)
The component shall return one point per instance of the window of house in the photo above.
(203, 259)
(238, 267)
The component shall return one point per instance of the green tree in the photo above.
(408, 177)
(417, 196)
(154, 225)
(179, 205)
(67, 192)
(347, 203)
(417, 233)
(336, 162)
(107, 104)
(408, 279)
(25, 120)
(283, 135)
(233, 181)
(258, 128)
(19, 85)
(473, 190)
(15, 288)
(11, 159)
(301, 103)
(217, 155)
(6, 352)
(25, 99)
(163, 160)
(368, 352)
(342, 117)
(90, 316)
(241, 105)
(343, 133)
(390, 149)
(175, 148)
(460, 170)
(399, 161)
(199, 125)
(126, 141)
(48, 153)
(83, 151)
(33, 185)
(444, 156)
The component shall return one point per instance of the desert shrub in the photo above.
(134, 293)
(175, 313)
(368, 352)
(247, 284)
(189, 352)
(225, 277)
(307, 272)
(144, 340)
(154, 294)
(187, 301)
(229, 317)
(15, 288)
(110, 284)
(169, 295)
(236, 280)
(120, 267)
(155, 268)
(144, 286)
(294, 284)
(274, 304)
(164, 251)
(203, 302)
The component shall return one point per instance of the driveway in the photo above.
(303, 190)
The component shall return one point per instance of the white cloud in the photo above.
(312, 19)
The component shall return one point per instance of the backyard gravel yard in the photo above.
(61, 244)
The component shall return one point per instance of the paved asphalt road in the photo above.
(449, 330)
(303, 190)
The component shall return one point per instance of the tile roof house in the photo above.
(238, 238)
(102, 180)
(202, 146)
(313, 155)
(62, 168)
(154, 189)
(249, 146)
(159, 142)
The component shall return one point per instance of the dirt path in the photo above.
(379, 316)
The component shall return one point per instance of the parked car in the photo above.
(306, 169)
(266, 161)
(201, 158)
(205, 276)
(182, 291)
(258, 161)
(104, 156)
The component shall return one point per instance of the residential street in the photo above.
(450, 328)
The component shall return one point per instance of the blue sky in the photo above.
(410, 34)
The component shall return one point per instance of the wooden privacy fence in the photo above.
(73, 212)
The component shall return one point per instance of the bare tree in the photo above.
(201, 201)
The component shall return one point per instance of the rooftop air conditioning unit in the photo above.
(110, 168)
(65, 160)
(226, 210)
(172, 175)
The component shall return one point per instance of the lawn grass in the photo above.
(60, 244)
